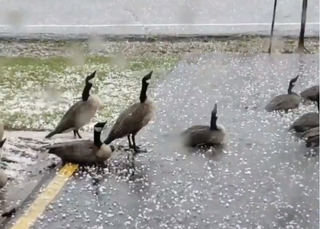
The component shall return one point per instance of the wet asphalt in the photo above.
(261, 179)
(99, 12)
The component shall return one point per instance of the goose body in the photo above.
(134, 118)
(3, 175)
(312, 137)
(84, 151)
(205, 135)
(306, 121)
(284, 102)
(311, 93)
(80, 113)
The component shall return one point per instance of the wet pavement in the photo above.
(261, 179)
(76, 17)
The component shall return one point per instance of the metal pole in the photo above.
(272, 24)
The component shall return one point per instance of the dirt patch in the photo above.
(153, 47)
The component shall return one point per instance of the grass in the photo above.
(36, 92)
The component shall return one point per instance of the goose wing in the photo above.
(67, 144)
(68, 119)
(283, 102)
(306, 122)
(199, 136)
(129, 121)
(194, 128)
(310, 92)
(80, 152)
(311, 133)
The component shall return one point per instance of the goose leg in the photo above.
(130, 144)
(76, 132)
(136, 148)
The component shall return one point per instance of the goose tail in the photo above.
(50, 135)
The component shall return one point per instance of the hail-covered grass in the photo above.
(36, 92)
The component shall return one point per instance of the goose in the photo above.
(312, 137)
(134, 118)
(80, 113)
(285, 101)
(3, 175)
(306, 121)
(311, 93)
(84, 152)
(205, 135)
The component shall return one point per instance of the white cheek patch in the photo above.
(98, 129)
(148, 81)
(91, 81)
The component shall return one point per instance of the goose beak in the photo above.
(147, 77)
(90, 77)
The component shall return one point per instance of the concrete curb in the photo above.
(142, 38)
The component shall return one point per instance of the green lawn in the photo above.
(36, 92)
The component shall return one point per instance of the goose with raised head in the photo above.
(285, 102)
(80, 113)
(134, 118)
(306, 121)
(312, 137)
(84, 152)
(202, 135)
(311, 93)
(3, 175)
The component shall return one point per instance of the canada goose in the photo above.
(205, 135)
(306, 121)
(285, 101)
(312, 137)
(134, 118)
(84, 152)
(80, 113)
(3, 175)
(311, 93)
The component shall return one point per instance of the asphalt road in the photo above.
(260, 180)
(80, 16)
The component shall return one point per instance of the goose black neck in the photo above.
(213, 123)
(96, 138)
(318, 103)
(290, 88)
(86, 92)
(143, 93)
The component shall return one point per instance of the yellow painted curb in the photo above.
(39, 205)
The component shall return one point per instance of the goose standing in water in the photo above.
(312, 137)
(80, 113)
(311, 93)
(3, 175)
(306, 121)
(134, 118)
(84, 152)
(285, 102)
(205, 135)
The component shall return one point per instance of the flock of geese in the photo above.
(138, 115)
